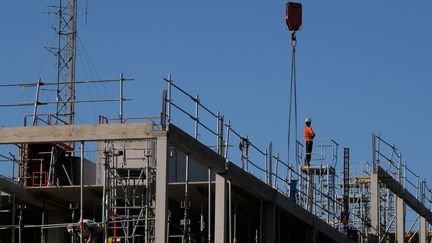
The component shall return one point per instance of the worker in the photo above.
(309, 136)
(90, 229)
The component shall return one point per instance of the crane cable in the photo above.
(293, 90)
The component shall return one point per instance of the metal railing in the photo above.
(388, 157)
(262, 163)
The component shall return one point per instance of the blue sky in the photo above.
(363, 66)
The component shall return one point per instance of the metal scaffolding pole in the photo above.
(186, 222)
(209, 207)
(81, 190)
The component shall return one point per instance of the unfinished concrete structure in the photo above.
(154, 182)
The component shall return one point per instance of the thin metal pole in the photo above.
(270, 162)
(186, 204)
(81, 190)
(228, 128)
(43, 223)
(36, 103)
(13, 217)
(169, 99)
(147, 197)
(229, 212)
(20, 219)
(209, 207)
(235, 223)
(13, 169)
(121, 98)
(220, 136)
(247, 153)
(261, 223)
(196, 119)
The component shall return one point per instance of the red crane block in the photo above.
(293, 16)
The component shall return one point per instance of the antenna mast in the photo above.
(66, 60)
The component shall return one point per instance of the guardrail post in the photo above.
(121, 98)
(220, 137)
(270, 164)
(164, 110)
(228, 128)
(196, 118)
(423, 225)
(169, 100)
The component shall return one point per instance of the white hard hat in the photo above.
(308, 120)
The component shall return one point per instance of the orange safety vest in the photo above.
(309, 133)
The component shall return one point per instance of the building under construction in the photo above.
(149, 180)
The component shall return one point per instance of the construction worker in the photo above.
(309, 136)
(90, 229)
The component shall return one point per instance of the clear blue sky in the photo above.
(363, 66)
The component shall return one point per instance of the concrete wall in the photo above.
(89, 171)
(132, 154)
(56, 235)
(177, 167)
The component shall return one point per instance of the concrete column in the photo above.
(161, 190)
(269, 222)
(221, 209)
(400, 220)
(423, 231)
(375, 207)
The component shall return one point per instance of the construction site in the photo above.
(154, 179)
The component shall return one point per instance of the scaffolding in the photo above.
(318, 181)
(129, 195)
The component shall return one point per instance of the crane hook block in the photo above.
(293, 16)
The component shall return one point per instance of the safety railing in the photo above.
(388, 157)
(42, 119)
(252, 158)
(324, 152)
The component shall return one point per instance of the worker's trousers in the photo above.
(309, 145)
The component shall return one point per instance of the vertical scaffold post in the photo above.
(228, 129)
(13, 217)
(121, 98)
(423, 227)
(270, 164)
(209, 207)
(220, 137)
(20, 224)
(196, 118)
(346, 188)
(81, 189)
(230, 236)
(164, 110)
(169, 100)
(42, 230)
(36, 103)
(185, 220)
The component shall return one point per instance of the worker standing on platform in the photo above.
(309, 135)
